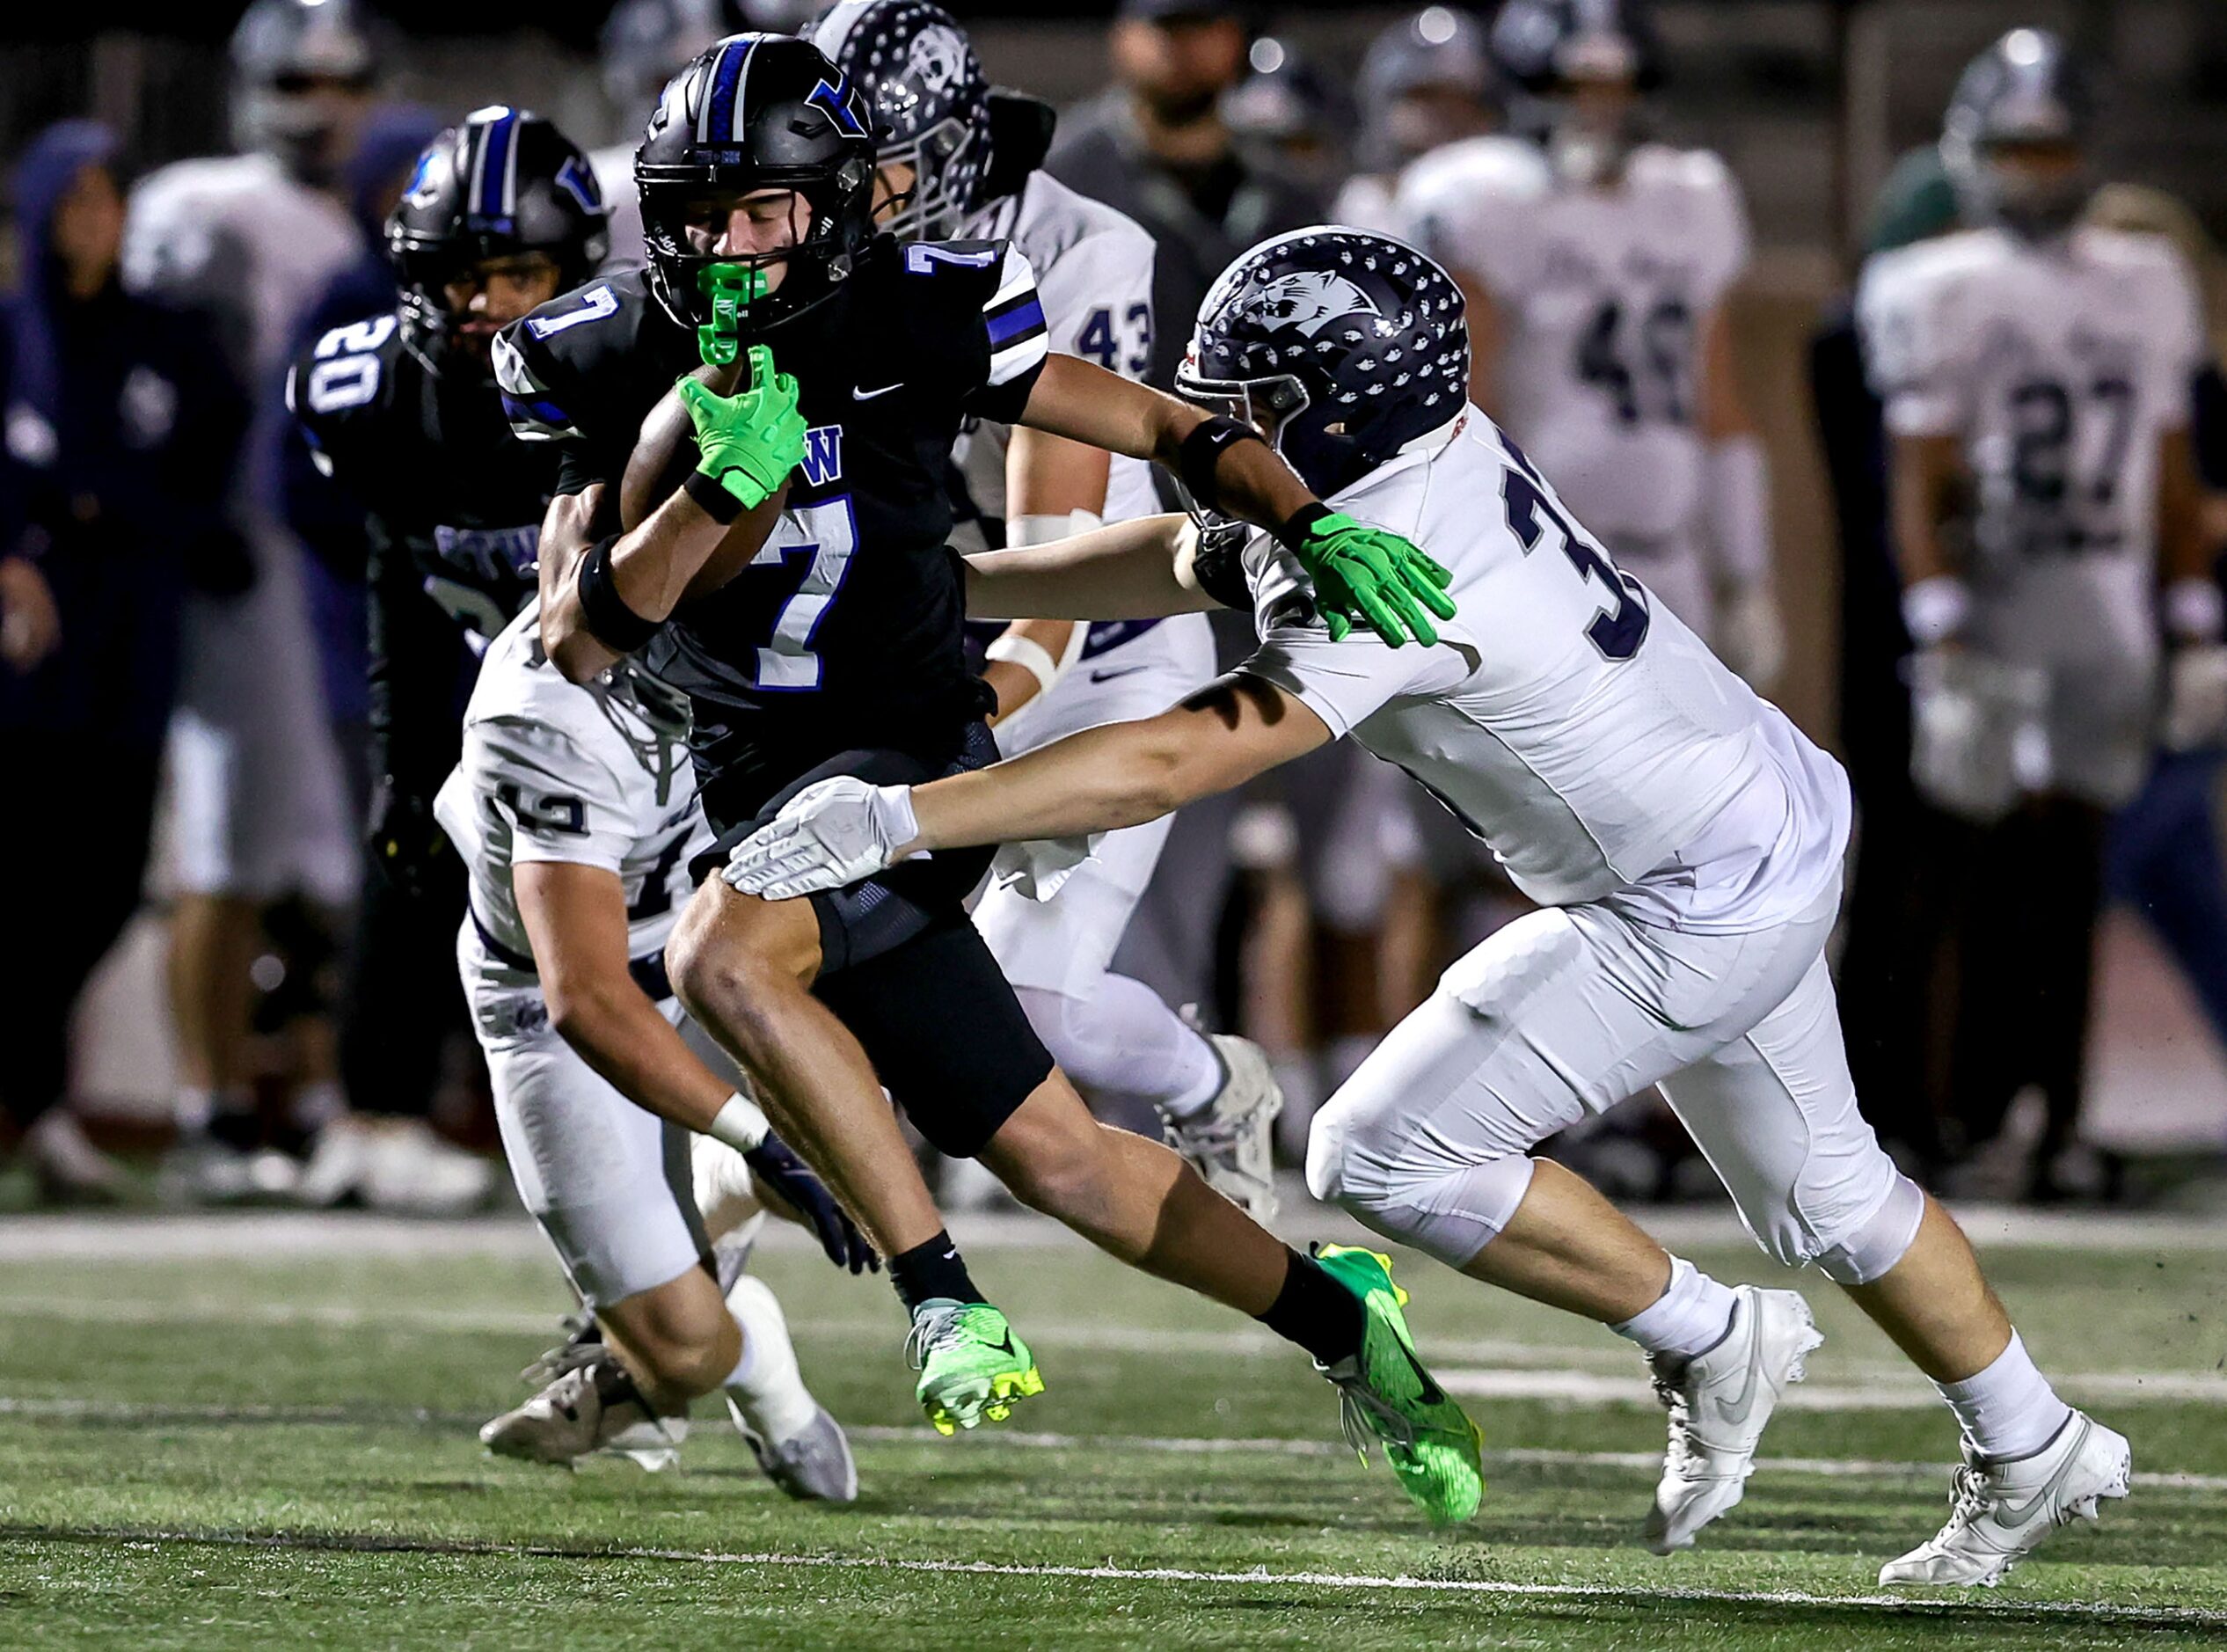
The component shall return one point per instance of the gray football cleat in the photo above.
(1231, 1141)
(813, 1465)
(2002, 1511)
(1719, 1401)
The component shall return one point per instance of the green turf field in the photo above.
(261, 1436)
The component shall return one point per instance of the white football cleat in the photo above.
(594, 1406)
(2001, 1510)
(1232, 1140)
(813, 1465)
(801, 1448)
(1719, 1402)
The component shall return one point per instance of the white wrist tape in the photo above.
(2194, 610)
(1031, 655)
(1739, 482)
(740, 1124)
(1022, 531)
(1936, 608)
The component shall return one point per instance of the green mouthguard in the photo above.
(731, 289)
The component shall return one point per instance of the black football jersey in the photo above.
(455, 505)
(844, 632)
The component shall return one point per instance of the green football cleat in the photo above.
(971, 1364)
(1428, 1440)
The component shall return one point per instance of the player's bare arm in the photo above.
(1360, 573)
(1103, 778)
(1925, 479)
(1052, 486)
(576, 915)
(623, 588)
(1132, 570)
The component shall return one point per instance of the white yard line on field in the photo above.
(1967, 1607)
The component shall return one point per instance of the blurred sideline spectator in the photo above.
(1895, 1025)
(2163, 855)
(260, 804)
(123, 429)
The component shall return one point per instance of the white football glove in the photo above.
(831, 834)
(2195, 697)
(1751, 638)
(1979, 741)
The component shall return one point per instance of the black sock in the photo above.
(1316, 1312)
(933, 1269)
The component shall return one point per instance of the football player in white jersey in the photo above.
(1683, 841)
(574, 811)
(1596, 268)
(259, 801)
(1426, 82)
(952, 168)
(2036, 376)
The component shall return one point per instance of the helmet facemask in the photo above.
(806, 269)
(946, 163)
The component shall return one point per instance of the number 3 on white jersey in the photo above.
(828, 532)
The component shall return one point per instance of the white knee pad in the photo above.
(1879, 1241)
(1405, 1189)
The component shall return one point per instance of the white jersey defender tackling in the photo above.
(1683, 839)
(957, 160)
(574, 810)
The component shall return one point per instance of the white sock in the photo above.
(1691, 1317)
(2008, 1409)
(765, 1384)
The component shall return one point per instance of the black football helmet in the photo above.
(1339, 345)
(931, 103)
(1437, 55)
(1286, 111)
(758, 112)
(282, 52)
(501, 183)
(2025, 90)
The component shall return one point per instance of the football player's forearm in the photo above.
(1123, 572)
(1102, 779)
(1919, 489)
(2183, 546)
(614, 1029)
(651, 567)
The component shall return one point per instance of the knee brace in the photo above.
(1407, 1190)
(1877, 1242)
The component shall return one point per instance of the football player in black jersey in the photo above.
(826, 639)
(501, 214)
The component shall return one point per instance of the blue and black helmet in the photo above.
(756, 112)
(1340, 345)
(501, 183)
(930, 101)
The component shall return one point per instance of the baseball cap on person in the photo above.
(1178, 11)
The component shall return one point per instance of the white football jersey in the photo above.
(1094, 275)
(234, 233)
(1566, 716)
(2058, 368)
(556, 771)
(1601, 295)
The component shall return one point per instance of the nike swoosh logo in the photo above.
(869, 395)
(1431, 1394)
(1127, 671)
(1736, 1410)
(2009, 1515)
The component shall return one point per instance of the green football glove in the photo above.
(731, 289)
(751, 441)
(1370, 576)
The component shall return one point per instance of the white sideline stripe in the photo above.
(878, 1434)
(1962, 1606)
(297, 1235)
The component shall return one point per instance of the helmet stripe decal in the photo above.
(721, 118)
(494, 184)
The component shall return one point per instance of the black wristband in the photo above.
(1203, 450)
(1293, 531)
(609, 620)
(713, 499)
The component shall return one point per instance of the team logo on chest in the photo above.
(1311, 300)
(823, 454)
